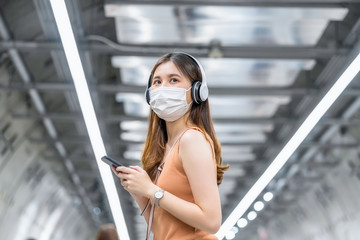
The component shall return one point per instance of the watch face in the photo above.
(158, 194)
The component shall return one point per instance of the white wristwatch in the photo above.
(158, 195)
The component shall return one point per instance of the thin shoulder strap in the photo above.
(177, 139)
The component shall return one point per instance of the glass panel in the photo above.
(230, 25)
(232, 107)
(222, 72)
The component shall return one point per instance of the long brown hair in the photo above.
(156, 139)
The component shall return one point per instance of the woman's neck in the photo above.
(174, 129)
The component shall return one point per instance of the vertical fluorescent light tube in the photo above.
(87, 108)
(279, 161)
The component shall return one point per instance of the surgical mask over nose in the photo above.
(169, 103)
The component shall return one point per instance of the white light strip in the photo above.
(291, 146)
(87, 109)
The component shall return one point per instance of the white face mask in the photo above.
(169, 103)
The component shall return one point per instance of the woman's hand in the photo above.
(136, 181)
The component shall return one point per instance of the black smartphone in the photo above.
(111, 162)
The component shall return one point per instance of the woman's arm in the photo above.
(141, 202)
(196, 156)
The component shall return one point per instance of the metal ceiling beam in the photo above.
(120, 142)
(326, 136)
(119, 118)
(245, 51)
(221, 91)
(60, 64)
(240, 3)
(39, 104)
(312, 151)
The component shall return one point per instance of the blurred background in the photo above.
(268, 64)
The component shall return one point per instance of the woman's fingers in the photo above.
(123, 182)
(134, 179)
(125, 170)
(137, 168)
(122, 172)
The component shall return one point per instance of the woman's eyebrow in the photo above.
(174, 75)
(169, 76)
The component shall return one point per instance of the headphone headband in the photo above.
(203, 76)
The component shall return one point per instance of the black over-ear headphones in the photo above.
(199, 90)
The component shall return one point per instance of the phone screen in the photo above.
(111, 162)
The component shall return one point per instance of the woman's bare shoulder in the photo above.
(192, 135)
(193, 139)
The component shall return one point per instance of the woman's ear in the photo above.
(189, 97)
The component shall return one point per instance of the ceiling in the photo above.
(267, 64)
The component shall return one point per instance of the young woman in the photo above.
(182, 165)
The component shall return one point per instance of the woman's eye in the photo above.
(156, 82)
(173, 80)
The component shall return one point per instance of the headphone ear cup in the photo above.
(147, 96)
(203, 92)
(195, 92)
(147, 91)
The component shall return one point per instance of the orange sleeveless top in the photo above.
(173, 179)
